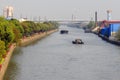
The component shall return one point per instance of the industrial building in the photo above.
(109, 28)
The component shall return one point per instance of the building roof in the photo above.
(111, 21)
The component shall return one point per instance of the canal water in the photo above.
(55, 58)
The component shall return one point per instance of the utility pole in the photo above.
(21, 16)
(72, 17)
(45, 19)
(34, 19)
(39, 19)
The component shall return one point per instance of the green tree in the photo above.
(17, 25)
(2, 50)
(91, 24)
(31, 27)
(26, 28)
(6, 32)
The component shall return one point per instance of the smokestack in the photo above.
(109, 15)
(96, 18)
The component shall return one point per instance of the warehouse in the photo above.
(109, 28)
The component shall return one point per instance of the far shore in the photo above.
(23, 42)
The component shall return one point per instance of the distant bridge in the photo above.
(70, 22)
(73, 23)
(67, 21)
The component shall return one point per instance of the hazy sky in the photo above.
(63, 9)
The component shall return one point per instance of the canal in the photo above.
(55, 58)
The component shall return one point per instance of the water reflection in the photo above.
(12, 71)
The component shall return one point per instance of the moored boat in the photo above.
(64, 31)
(78, 41)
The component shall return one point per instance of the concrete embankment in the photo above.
(23, 42)
(28, 40)
(6, 62)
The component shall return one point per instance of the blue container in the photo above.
(105, 31)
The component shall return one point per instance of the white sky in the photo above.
(63, 9)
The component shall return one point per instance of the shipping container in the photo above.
(105, 31)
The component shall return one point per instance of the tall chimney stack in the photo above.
(109, 15)
(96, 18)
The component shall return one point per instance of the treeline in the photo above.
(11, 31)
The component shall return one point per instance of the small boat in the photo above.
(78, 41)
(64, 31)
(87, 31)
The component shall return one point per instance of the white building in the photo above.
(23, 19)
(8, 12)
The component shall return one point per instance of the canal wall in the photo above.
(6, 62)
(23, 42)
(37, 36)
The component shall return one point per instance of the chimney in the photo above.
(96, 18)
(109, 15)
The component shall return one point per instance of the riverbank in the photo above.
(37, 36)
(112, 41)
(23, 42)
(6, 62)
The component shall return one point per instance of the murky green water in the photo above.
(56, 58)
